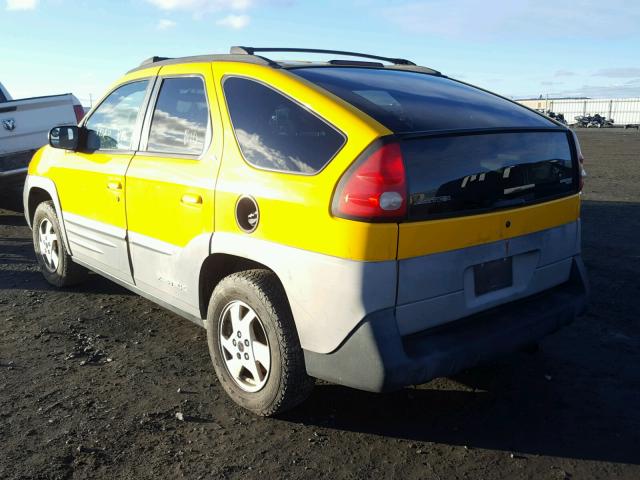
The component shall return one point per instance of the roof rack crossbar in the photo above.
(252, 50)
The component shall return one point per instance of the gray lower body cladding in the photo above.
(376, 357)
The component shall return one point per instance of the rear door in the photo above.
(170, 185)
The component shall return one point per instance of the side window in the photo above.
(114, 121)
(181, 117)
(275, 132)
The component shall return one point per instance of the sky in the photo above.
(518, 48)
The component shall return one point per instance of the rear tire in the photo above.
(254, 344)
(55, 262)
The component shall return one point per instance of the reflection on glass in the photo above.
(258, 153)
(276, 133)
(480, 172)
(114, 120)
(54, 137)
(181, 118)
(410, 101)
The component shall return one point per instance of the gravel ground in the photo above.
(91, 380)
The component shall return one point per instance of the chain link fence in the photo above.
(623, 111)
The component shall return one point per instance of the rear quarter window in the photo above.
(276, 133)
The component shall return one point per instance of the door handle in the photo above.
(114, 185)
(191, 199)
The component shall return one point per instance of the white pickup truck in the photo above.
(24, 127)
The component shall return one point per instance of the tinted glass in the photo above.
(2, 97)
(460, 174)
(181, 117)
(276, 133)
(411, 102)
(114, 120)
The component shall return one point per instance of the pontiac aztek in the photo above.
(371, 223)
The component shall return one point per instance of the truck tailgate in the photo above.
(25, 124)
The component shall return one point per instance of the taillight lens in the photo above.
(375, 187)
(582, 172)
(79, 111)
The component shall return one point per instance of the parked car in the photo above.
(24, 127)
(593, 121)
(371, 224)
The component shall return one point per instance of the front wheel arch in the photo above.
(36, 196)
(37, 190)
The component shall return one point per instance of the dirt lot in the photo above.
(91, 380)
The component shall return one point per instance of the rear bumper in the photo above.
(375, 357)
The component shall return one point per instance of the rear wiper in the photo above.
(521, 188)
(510, 202)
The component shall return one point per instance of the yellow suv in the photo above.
(370, 222)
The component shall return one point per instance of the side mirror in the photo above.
(66, 138)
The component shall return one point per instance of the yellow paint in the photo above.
(295, 209)
(171, 198)
(86, 186)
(176, 199)
(86, 181)
(434, 236)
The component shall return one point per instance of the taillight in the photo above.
(582, 172)
(374, 188)
(79, 111)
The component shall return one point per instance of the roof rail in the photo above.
(252, 50)
(152, 60)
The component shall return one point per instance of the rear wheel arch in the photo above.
(217, 266)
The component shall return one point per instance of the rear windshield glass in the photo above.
(411, 102)
(463, 174)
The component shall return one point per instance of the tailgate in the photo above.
(15, 164)
(493, 217)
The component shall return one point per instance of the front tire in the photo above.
(254, 345)
(55, 262)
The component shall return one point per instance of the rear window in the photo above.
(276, 133)
(2, 97)
(465, 174)
(411, 102)
(181, 117)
